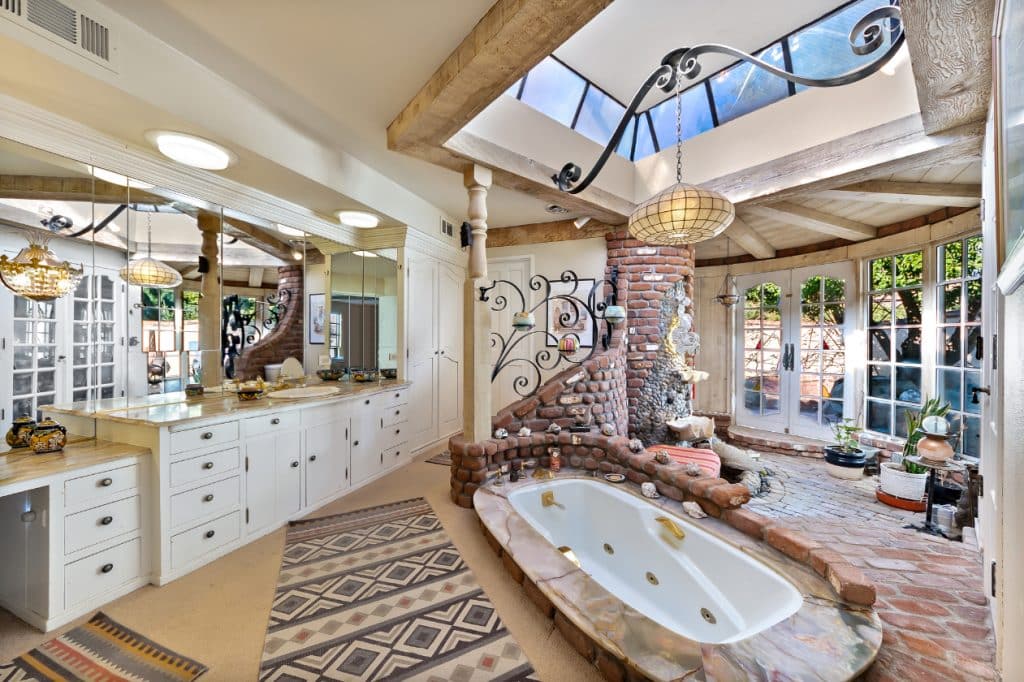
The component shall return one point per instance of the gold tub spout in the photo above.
(547, 499)
(672, 526)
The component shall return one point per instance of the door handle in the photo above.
(975, 390)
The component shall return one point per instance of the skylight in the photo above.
(818, 49)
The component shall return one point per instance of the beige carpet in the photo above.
(218, 614)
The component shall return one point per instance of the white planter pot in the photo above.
(899, 483)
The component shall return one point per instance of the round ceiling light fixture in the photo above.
(358, 219)
(290, 231)
(118, 179)
(191, 150)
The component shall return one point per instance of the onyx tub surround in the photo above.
(668, 598)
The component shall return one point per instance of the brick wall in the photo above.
(651, 271)
(287, 338)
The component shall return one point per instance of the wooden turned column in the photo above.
(477, 316)
(210, 300)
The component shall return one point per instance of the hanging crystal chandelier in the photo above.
(37, 273)
(148, 271)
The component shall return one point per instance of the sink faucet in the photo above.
(547, 499)
(672, 527)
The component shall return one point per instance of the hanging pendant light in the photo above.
(727, 295)
(682, 214)
(149, 272)
(37, 273)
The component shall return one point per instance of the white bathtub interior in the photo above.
(706, 589)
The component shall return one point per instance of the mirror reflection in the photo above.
(363, 324)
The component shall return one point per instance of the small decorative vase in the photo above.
(523, 320)
(21, 429)
(615, 314)
(556, 459)
(935, 448)
(568, 344)
(48, 436)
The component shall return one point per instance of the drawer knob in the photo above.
(397, 394)
(355, 442)
(367, 402)
(207, 435)
(295, 464)
(106, 482)
(106, 568)
(106, 520)
(398, 412)
(207, 465)
(208, 498)
(209, 534)
(275, 421)
(397, 453)
(398, 431)
(312, 458)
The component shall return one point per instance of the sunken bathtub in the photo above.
(635, 584)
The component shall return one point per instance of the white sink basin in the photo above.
(305, 392)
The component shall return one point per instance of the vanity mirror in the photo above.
(363, 324)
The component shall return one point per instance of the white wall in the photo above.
(315, 283)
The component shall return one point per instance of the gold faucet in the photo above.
(547, 499)
(672, 526)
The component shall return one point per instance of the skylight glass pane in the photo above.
(599, 116)
(644, 143)
(696, 116)
(554, 90)
(743, 88)
(823, 50)
(514, 90)
(625, 147)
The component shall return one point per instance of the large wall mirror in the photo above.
(363, 321)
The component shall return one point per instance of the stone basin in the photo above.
(305, 392)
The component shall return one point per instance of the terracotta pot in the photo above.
(934, 448)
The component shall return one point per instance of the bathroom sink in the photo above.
(305, 392)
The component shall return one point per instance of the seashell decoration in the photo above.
(693, 469)
(500, 433)
(636, 445)
(693, 509)
(524, 432)
(554, 428)
(662, 457)
(608, 429)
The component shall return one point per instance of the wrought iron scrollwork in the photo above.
(580, 303)
(866, 37)
(242, 328)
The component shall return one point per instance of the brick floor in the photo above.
(930, 591)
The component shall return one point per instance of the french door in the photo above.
(792, 374)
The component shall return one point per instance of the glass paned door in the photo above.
(761, 392)
(93, 337)
(35, 380)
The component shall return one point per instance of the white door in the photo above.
(450, 284)
(760, 317)
(423, 350)
(260, 490)
(96, 335)
(518, 271)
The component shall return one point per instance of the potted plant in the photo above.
(905, 479)
(844, 459)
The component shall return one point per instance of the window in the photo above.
(553, 89)
(895, 307)
(744, 88)
(762, 349)
(626, 143)
(92, 336)
(696, 116)
(644, 141)
(158, 313)
(35, 356)
(959, 345)
(599, 116)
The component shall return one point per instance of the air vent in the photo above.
(95, 38)
(55, 17)
(447, 229)
(11, 6)
(556, 209)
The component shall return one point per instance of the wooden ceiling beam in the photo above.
(917, 193)
(257, 238)
(950, 44)
(808, 218)
(255, 277)
(749, 239)
(544, 233)
(50, 188)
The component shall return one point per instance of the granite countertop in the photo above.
(21, 465)
(170, 409)
(825, 639)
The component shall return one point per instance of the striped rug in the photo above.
(102, 649)
(382, 594)
(443, 458)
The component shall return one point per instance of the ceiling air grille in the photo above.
(55, 17)
(95, 38)
(12, 6)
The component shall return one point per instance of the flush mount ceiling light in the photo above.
(191, 150)
(118, 179)
(290, 231)
(148, 271)
(364, 254)
(358, 219)
(685, 214)
(37, 273)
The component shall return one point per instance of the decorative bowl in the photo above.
(329, 374)
(614, 478)
(389, 373)
(194, 390)
(364, 375)
(247, 393)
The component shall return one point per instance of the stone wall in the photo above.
(287, 338)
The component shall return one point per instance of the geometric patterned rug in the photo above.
(382, 594)
(443, 458)
(102, 649)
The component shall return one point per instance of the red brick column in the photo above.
(287, 338)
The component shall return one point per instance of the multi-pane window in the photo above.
(695, 120)
(822, 349)
(35, 356)
(959, 343)
(158, 320)
(553, 89)
(599, 115)
(92, 336)
(744, 87)
(895, 319)
(762, 349)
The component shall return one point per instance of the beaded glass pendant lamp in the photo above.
(37, 273)
(682, 214)
(148, 271)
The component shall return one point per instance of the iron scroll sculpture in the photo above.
(581, 305)
(241, 329)
(684, 63)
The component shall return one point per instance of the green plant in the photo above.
(932, 407)
(845, 433)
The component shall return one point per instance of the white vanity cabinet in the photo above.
(327, 466)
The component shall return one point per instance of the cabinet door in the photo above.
(260, 487)
(422, 307)
(423, 406)
(366, 455)
(449, 395)
(288, 458)
(327, 460)
(450, 368)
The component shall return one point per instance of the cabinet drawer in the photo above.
(271, 422)
(393, 397)
(192, 544)
(186, 471)
(322, 414)
(391, 436)
(214, 498)
(396, 454)
(396, 414)
(85, 490)
(99, 524)
(204, 437)
(92, 576)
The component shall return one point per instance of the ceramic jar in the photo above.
(615, 314)
(568, 344)
(48, 436)
(556, 459)
(21, 429)
(523, 320)
(934, 447)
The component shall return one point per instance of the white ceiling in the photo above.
(622, 45)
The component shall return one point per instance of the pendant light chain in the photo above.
(149, 235)
(679, 129)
